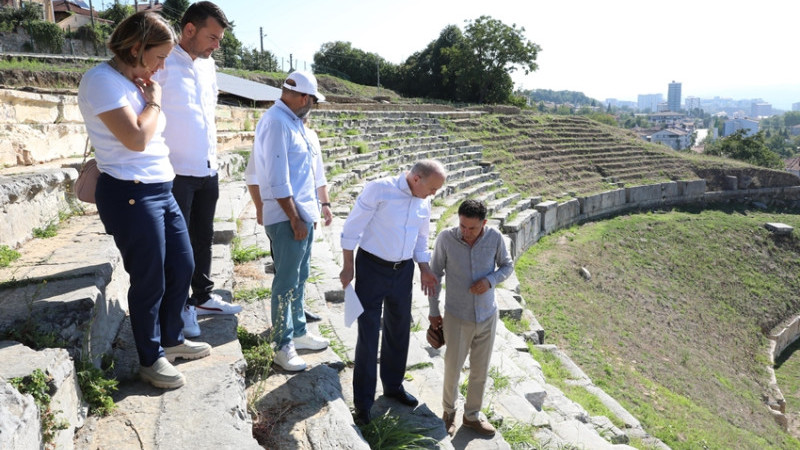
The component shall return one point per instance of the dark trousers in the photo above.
(381, 288)
(151, 236)
(197, 199)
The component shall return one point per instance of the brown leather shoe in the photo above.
(480, 426)
(449, 422)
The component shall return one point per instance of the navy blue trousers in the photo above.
(197, 199)
(150, 233)
(381, 288)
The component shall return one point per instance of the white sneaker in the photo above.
(310, 342)
(287, 358)
(191, 329)
(216, 305)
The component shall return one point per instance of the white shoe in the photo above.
(310, 342)
(287, 358)
(216, 305)
(191, 329)
(187, 350)
(162, 374)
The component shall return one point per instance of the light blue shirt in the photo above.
(284, 158)
(389, 222)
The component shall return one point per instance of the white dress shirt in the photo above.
(389, 222)
(284, 160)
(189, 99)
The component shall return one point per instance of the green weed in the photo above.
(241, 254)
(389, 432)
(96, 387)
(7, 255)
(38, 386)
(251, 295)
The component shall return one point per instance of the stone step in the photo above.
(20, 422)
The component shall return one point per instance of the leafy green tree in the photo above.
(173, 10)
(230, 51)
(341, 59)
(11, 18)
(117, 12)
(791, 119)
(751, 149)
(48, 36)
(491, 51)
(253, 59)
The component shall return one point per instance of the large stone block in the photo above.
(601, 203)
(643, 195)
(66, 401)
(20, 426)
(567, 213)
(548, 210)
(691, 189)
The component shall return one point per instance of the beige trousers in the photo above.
(476, 339)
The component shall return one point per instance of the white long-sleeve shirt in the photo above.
(189, 100)
(389, 222)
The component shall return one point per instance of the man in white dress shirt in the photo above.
(390, 222)
(189, 100)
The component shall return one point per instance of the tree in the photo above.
(230, 54)
(750, 149)
(343, 60)
(117, 12)
(491, 51)
(173, 10)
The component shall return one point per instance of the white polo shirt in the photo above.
(189, 99)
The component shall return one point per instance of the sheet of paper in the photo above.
(352, 305)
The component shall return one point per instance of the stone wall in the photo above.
(551, 216)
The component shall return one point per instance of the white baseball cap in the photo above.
(305, 83)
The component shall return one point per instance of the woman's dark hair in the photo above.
(198, 12)
(473, 209)
(145, 29)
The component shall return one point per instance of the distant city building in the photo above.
(693, 103)
(663, 107)
(733, 125)
(796, 106)
(674, 96)
(672, 137)
(760, 109)
(649, 102)
(612, 102)
(666, 118)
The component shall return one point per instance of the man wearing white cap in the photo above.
(285, 166)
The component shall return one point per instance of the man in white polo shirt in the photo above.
(189, 100)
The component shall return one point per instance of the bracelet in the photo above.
(326, 204)
(154, 105)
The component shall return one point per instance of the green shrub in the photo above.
(7, 255)
(96, 388)
(48, 36)
(37, 385)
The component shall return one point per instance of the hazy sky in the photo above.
(606, 49)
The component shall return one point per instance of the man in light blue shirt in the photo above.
(389, 223)
(284, 158)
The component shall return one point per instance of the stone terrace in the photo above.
(85, 292)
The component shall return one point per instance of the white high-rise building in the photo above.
(674, 96)
(649, 102)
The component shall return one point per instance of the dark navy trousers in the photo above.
(151, 235)
(197, 199)
(381, 288)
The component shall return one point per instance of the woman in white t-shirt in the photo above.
(121, 107)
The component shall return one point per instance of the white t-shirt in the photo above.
(104, 89)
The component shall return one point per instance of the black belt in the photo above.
(380, 261)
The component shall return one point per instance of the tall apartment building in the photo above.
(760, 109)
(649, 102)
(693, 103)
(674, 96)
